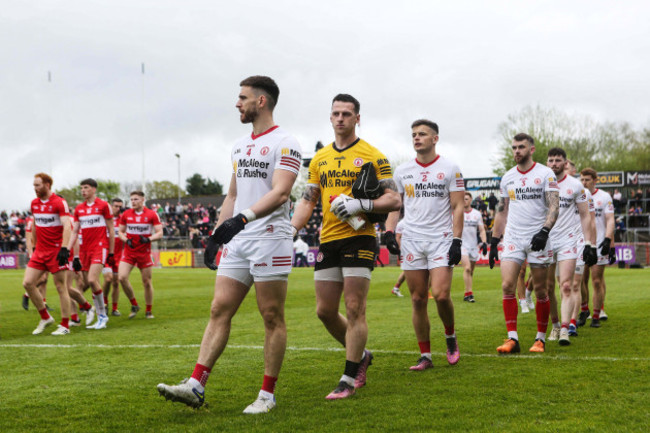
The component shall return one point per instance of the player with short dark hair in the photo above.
(257, 240)
(573, 221)
(94, 220)
(527, 211)
(50, 237)
(604, 213)
(473, 228)
(139, 226)
(432, 189)
(348, 248)
(111, 279)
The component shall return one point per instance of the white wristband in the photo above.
(588, 244)
(249, 214)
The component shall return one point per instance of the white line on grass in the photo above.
(319, 349)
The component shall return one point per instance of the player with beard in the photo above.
(255, 230)
(50, 236)
(573, 221)
(604, 214)
(527, 211)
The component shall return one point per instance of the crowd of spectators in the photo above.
(186, 220)
(12, 231)
(183, 221)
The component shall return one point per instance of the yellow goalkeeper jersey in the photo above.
(335, 171)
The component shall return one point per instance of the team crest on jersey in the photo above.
(269, 228)
(264, 150)
(319, 257)
(538, 180)
(409, 257)
(440, 176)
(569, 191)
(224, 253)
(137, 219)
(599, 203)
(511, 247)
(358, 162)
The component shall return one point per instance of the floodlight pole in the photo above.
(179, 177)
(142, 127)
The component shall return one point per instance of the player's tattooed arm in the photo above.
(388, 184)
(390, 200)
(311, 194)
(305, 207)
(500, 217)
(502, 206)
(553, 203)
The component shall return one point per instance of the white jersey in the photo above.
(254, 159)
(472, 221)
(568, 222)
(602, 205)
(399, 228)
(426, 188)
(592, 209)
(526, 190)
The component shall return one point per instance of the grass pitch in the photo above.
(105, 381)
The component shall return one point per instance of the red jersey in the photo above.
(137, 224)
(29, 223)
(118, 241)
(47, 221)
(92, 220)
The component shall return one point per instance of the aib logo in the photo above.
(523, 181)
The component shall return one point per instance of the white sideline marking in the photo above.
(321, 349)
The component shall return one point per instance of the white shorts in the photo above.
(472, 253)
(424, 254)
(602, 260)
(265, 260)
(518, 250)
(565, 249)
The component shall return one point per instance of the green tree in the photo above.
(604, 147)
(198, 185)
(71, 194)
(106, 190)
(163, 189)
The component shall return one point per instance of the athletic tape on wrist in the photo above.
(249, 215)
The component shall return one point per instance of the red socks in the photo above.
(596, 314)
(133, 301)
(148, 310)
(268, 384)
(201, 373)
(114, 306)
(542, 311)
(65, 322)
(510, 311)
(44, 314)
(425, 346)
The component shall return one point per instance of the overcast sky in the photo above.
(463, 64)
